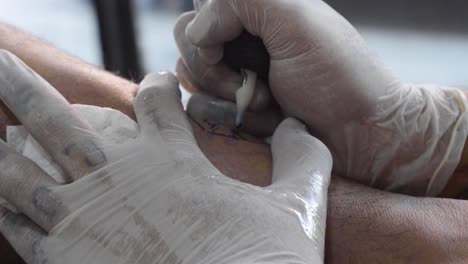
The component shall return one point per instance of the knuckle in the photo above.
(181, 24)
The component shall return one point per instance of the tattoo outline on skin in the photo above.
(213, 129)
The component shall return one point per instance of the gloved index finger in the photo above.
(22, 234)
(29, 189)
(49, 118)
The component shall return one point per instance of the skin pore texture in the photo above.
(363, 225)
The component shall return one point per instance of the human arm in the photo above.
(259, 159)
(383, 131)
(76, 80)
(364, 200)
(156, 190)
(83, 83)
(371, 226)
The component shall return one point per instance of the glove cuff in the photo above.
(412, 144)
(456, 154)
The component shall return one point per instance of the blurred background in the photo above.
(423, 41)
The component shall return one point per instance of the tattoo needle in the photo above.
(245, 94)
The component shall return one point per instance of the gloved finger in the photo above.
(302, 170)
(49, 118)
(204, 107)
(29, 189)
(215, 23)
(158, 107)
(245, 51)
(23, 235)
(217, 79)
(211, 55)
(220, 23)
(184, 77)
(198, 4)
(301, 163)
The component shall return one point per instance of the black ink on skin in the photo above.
(213, 130)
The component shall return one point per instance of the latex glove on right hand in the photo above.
(154, 198)
(382, 131)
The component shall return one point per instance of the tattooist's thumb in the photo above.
(301, 163)
(159, 109)
(301, 173)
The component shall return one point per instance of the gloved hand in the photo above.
(154, 198)
(382, 131)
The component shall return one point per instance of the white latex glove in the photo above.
(155, 198)
(382, 131)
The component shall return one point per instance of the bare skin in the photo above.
(364, 225)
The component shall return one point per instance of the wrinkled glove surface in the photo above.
(382, 131)
(153, 198)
